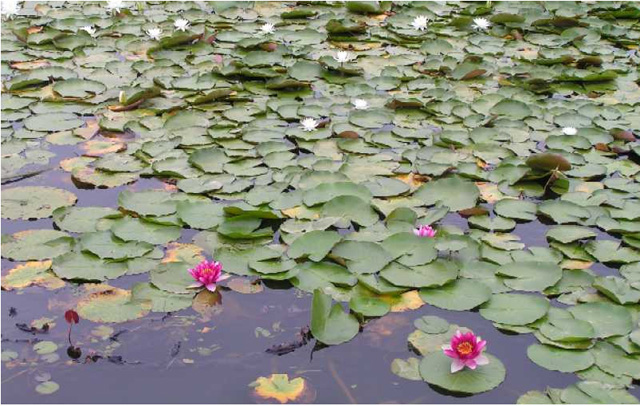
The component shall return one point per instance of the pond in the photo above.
(374, 180)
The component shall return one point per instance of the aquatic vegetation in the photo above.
(309, 124)
(424, 231)
(466, 351)
(481, 24)
(267, 28)
(342, 56)
(360, 104)
(420, 23)
(154, 34)
(207, 274)
(306, 146)
(181, 24)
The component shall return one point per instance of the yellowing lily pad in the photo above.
(31, 273)
(112, 305)
(280, 388)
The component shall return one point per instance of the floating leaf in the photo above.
(281, 388)
(34, 202)
(514, 309)
(435, 369)
(112, 305)
(557, 359)
(330, 324)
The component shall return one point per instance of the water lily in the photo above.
(207, 274)
(115, 5)
(360, 104)
(466, 351)
(10, 8)
(267, 28)
(154, 33)
(420, 23)
(309, 124)
(181, 24)
(569, 131)
(89, 29)
(342, 56)
(425, 231)
(481, 24)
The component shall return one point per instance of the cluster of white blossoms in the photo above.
(421, 23)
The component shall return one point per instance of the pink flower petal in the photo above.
(451, 354)
(211, 287)
(482, 360)
(456, 365)
(470, 363)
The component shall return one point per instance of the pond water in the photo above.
(128, 159)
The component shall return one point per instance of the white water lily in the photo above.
(122, 97)
(420, 23)
(309, 124)
(360, 104)
(342, 56)
(481, 24)
(181, 24)
(89, 29)
(10, 8)
(570, 131)
(267, 28)
(115, 5)
(154, 33)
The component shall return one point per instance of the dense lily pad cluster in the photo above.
(305, 143)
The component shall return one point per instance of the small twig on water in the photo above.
(341, 383)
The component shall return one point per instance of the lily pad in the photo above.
(435, 369)
(34, 202)
(330, 324)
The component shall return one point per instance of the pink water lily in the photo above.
(466, 351)
(207, 274)
(424, 231)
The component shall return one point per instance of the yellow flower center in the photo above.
(464, 348)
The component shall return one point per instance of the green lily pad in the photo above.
(462, 294)
(435, 369)
(454, 193)
(112, 305)
(514, 309)
(107, 246)
(330, 324)
(607, 319)
(315, 244)
(34, 202)
(557, 359)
